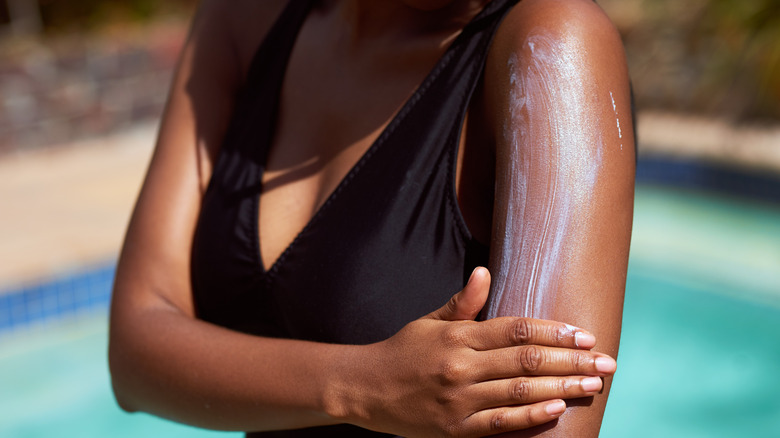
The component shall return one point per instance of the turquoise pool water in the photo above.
(54, 383)
(699, 353)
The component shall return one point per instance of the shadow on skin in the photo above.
(201, 91)
(534, 431)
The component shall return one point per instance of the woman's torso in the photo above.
(269, 259)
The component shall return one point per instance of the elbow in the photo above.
(123, 363)
(122, 400)
(120, 378)
(118, 364)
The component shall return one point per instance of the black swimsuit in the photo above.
(388, 246)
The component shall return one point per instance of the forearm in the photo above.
(169, 364)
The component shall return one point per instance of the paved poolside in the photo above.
(65, 208)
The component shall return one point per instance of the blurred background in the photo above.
(82, 86)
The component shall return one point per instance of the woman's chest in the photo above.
(331, 113)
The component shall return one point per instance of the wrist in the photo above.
(349, 385)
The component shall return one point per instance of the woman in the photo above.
(327, 175)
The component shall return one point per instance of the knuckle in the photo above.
(529, 417)
(452, 304)
(498, 422)
(530, 358)
(453, 372)
(521, 390)
(455, 336)
(560, 335)
(448, 399)
(565, 386)
(580, 362)
(521, 332)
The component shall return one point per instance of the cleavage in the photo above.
(334, 103)
(326, 122)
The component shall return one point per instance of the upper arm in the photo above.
(154, 266)
(558, 100)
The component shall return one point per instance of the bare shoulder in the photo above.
(558, 40)
(579, 28)
(212, 68)
(569, 21)
(239, 25)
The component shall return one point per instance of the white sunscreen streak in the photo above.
(554, 166)
(570, 330)
(617, 119)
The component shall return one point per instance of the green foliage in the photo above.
(718, 57)
(68, 15)
(747, 36)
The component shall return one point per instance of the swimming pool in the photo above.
(699, 351)
(698, 356)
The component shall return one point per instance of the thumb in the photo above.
(466, 304)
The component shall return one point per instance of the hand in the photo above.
(447, 375)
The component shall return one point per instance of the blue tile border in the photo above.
(700, 175)
(89, 289)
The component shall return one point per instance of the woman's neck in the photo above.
(379, 19)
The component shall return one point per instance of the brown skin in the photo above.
(464, 378)
(590, 292)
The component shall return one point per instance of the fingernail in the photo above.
(584, 340)
(591, 384)
(606, 365)
(471, 277)
(555, 408)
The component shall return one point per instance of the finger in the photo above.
(498, 420)
(525, 390)
(466, 304)
(534, 360)
(511, 331)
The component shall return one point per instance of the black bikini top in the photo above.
(388, 246)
